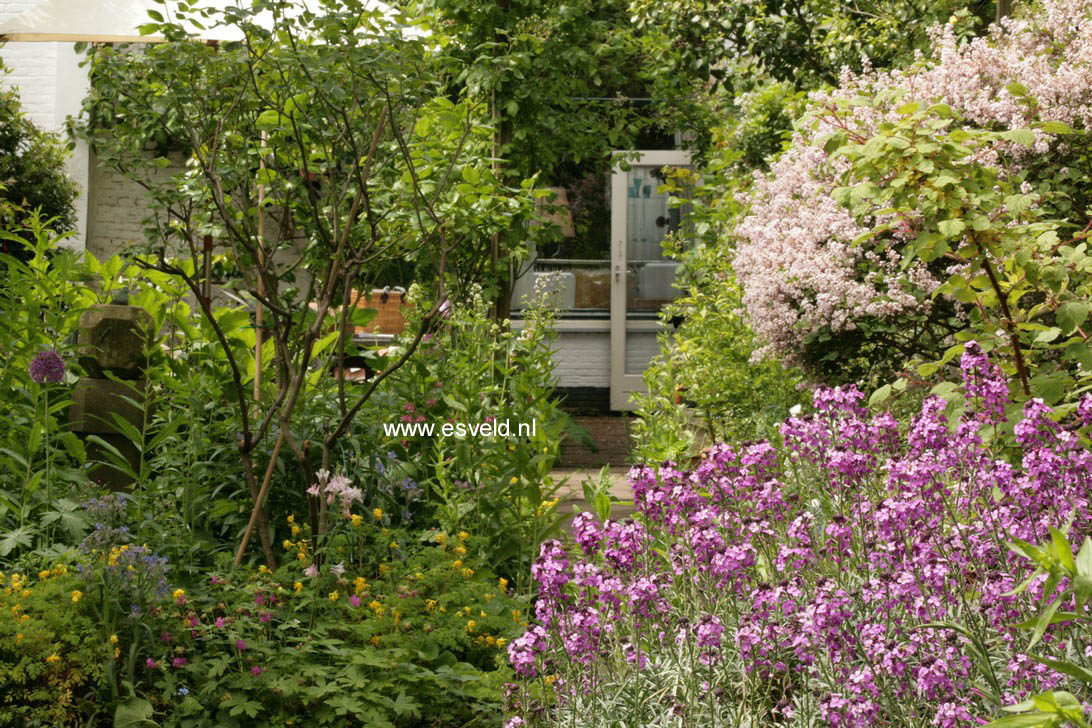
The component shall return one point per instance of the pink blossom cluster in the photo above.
(800, 272)
(853, 565)
(337, 488)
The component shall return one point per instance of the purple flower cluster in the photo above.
(47, 366)
(830, 567)
(985, 387)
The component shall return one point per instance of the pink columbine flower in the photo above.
(311, 571)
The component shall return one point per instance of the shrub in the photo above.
(32, 175)
(835, 289)
(854, 577)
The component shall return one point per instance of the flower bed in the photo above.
(854, 577)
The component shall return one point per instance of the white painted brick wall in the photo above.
(117, 206)
(583, 358)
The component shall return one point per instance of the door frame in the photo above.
(621, 383)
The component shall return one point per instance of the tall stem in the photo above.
(1010, 325)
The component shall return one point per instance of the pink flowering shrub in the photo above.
(810, 286)
(860, 575)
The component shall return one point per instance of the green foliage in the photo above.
(703, 388)
(1061, 566)
(479, 372)
(51, 656)
(804, 43)
(44, 293)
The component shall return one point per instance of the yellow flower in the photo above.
(515, 614)
(376, 607)
(295, 531)
(457, 564)
(301, 556)
(384, 568)
(60, 570)
(375, 640)
(550, 679)
(291, 519)
(53, 659)
(460, 550)
(463, 535)
(470, 625)
(419, 576)
(117, 652)
(356, 519)
(18, 638)
(513, 481)
(490, 640)
(441, 538)
(178, 594)
(467, 573)
(43, 575)
(394, 544)
(263, 569)
(113, 639)
(481, 613)
(297, 585)
(334, 596)
(77, 595)
(503, 583)
(360, 584)
(429, 604)
(286, 544)
(378, 513)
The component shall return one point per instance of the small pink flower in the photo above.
(192, 621)
(266, 616)
(255, 670)
(259, 599)
(219, 621)
(431, 401)
(165, 637)
(151, 664)
(240, 645)
(354, 600)
(179, 662)
(408, 407)
(216, 581)
(311, 571)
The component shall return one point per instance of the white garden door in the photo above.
(641, 278)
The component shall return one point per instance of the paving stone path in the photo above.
(572, 492)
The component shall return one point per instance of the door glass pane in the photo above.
(649, 219)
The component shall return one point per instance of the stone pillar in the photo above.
(112, 341)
